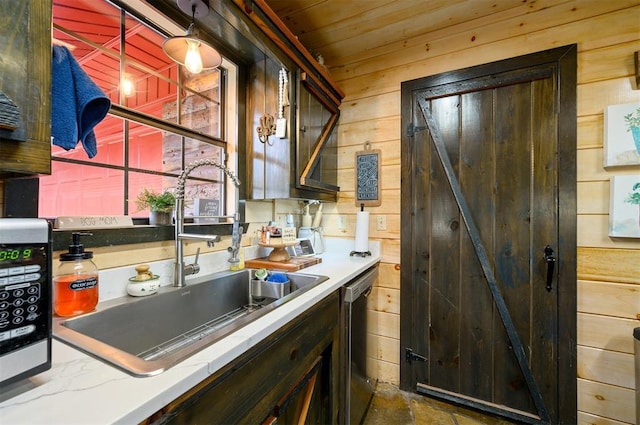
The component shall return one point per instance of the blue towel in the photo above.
(77, 103)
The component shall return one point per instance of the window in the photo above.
(161, 118)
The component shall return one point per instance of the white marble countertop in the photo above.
(79, 389)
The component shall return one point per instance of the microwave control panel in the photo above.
(25, 298)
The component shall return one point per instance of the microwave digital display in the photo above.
(11, 254)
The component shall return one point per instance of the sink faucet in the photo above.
(182, 269)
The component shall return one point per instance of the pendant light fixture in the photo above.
(189, 50)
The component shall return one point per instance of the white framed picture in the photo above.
(624, 209)
(206, 207)
(622, 135)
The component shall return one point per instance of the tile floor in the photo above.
(391, 406)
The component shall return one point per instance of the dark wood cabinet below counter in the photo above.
(293, 372)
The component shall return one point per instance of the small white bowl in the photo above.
(142, 288)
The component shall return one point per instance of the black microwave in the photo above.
(25, 298)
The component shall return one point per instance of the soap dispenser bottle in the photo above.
(75, 284)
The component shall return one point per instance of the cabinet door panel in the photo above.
(269, 162)
(317, 161)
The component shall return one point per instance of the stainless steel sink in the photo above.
(145, 336)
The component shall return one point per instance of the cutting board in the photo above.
(292, 265)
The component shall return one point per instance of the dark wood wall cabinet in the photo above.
(293, 373)
(25, 85)
(303, 163)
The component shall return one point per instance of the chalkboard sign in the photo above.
(206, 207)
(368, 177)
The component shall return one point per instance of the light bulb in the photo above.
(192, 59)
(127, 87)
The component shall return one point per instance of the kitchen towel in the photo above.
(362, 232)
(77, 103)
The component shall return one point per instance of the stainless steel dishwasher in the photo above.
(357, 388)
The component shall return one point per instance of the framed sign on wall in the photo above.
(368, 177)
(622, 135)
(624, 211)
(206, 207)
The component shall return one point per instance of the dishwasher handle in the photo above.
(361, 285)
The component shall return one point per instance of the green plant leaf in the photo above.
(632, 119)
(164, 201)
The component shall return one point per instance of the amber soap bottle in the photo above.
(75, 285)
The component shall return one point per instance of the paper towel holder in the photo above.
(360, 253)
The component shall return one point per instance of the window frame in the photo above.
(229, 129)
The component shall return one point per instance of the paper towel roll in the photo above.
(362, 232)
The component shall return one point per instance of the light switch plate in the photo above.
(381, 221)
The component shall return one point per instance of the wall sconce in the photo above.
(189, 50)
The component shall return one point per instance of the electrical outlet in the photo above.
(381, 221)
(342, 223)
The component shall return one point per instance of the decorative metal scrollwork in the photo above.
(266, 128)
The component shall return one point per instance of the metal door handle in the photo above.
(551, 263)
(367, 292)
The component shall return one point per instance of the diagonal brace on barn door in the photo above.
(481, 252)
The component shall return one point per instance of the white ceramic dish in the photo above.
(137, 288)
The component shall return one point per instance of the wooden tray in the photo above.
(292, 265)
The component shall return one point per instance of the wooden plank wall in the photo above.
(607, 34)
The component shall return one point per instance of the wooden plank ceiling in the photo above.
(342, 31)
(346, 31)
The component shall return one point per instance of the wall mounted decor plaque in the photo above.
(368, 177)
(622, 135)
(624, 211)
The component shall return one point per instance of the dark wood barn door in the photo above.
(488, 275)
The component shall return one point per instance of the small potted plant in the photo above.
(161, 205)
